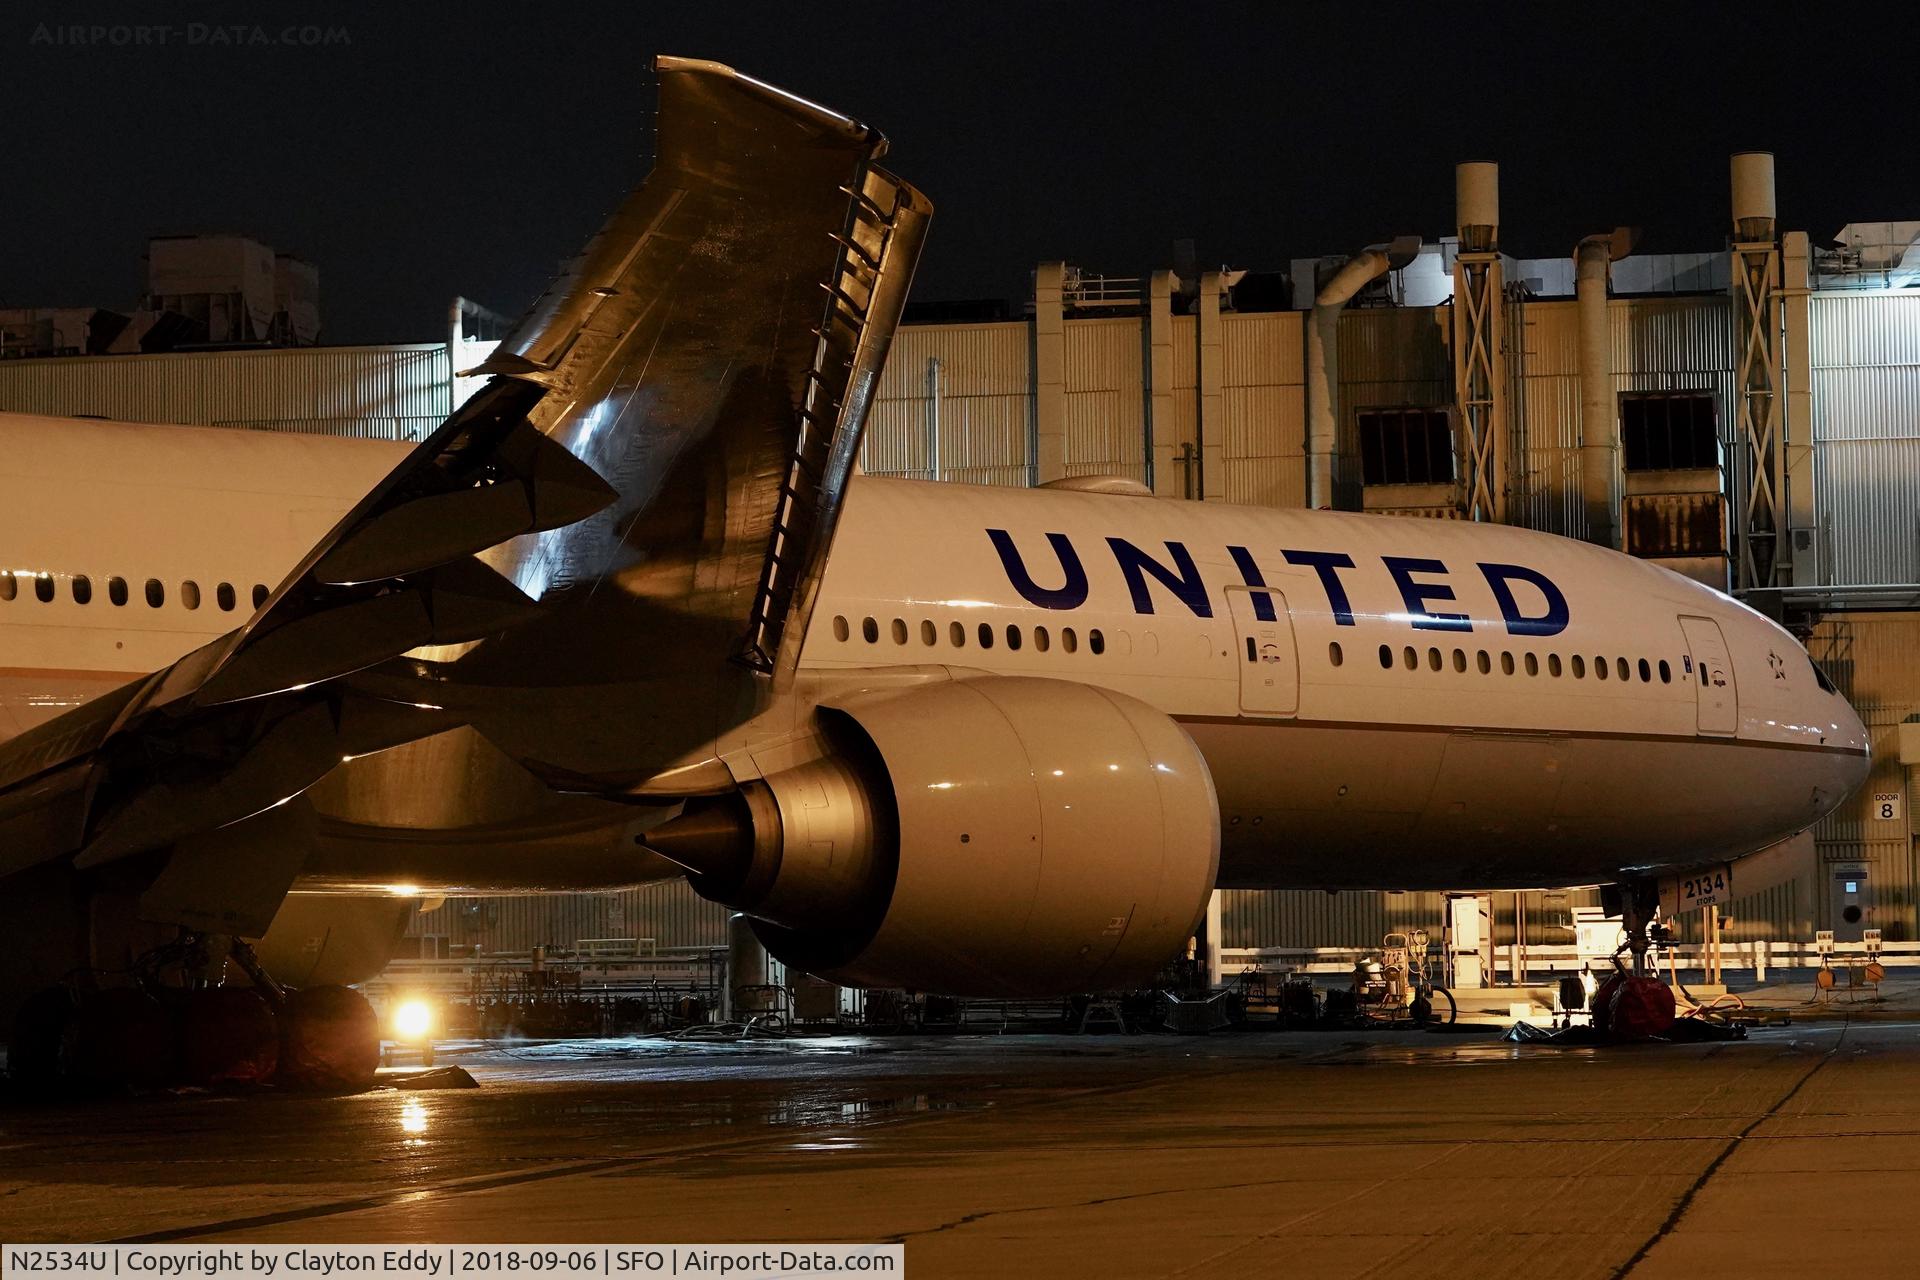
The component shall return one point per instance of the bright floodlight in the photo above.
(413, 1019)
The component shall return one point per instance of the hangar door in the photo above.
(1712, 671)
(1269, 666)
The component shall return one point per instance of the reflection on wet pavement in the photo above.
(1122, 1156)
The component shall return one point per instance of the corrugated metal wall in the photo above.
(668, 912)
(1866, 427)
(1264, 401)
(387, 393)
(984, 413)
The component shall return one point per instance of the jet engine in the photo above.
(999, 836)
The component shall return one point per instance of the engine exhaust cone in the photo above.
(715, 840)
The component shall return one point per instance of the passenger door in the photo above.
(1716, 696)
(1269, 665)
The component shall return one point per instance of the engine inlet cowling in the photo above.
(989, 837)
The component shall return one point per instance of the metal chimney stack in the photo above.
(1476, 201)
(1753, 207)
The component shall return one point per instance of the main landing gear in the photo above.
(176, 1021)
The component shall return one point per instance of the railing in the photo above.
(1542, 959)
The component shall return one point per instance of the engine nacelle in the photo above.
(999, 836)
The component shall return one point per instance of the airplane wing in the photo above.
(680, 410)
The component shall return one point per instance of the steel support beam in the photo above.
(1049, 372)
(1480, 385)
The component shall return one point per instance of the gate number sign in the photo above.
(1886, 806)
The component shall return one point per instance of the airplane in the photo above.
(630, 613)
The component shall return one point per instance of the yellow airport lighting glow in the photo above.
(412, 1019)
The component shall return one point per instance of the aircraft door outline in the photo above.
(1267, 656)
(1710, 670)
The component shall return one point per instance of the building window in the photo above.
(1408, 444)
(1669, 430)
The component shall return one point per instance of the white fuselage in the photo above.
(1382, 702)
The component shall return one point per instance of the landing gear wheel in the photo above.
(41, 1043)
(329, 1040)
(228, 1036)
(122, 1040)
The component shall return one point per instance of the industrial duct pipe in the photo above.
(1323, 356)
(1753, 207)
(1599, 410)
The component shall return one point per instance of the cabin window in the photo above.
(929, 634)
(260, 594)
(1579, 667)
(1433, 659)
(840, 630)
(1460, 661)
(1041, 640)
(117, 590)
(1506, 663)
(1386, 657)
(1334, 655)
(1600, 668)
(1096, 643)
(223, 596)
(1405, 444)
(1013, 636)
(899, 630)
(870, 631)
(1485, 663)
(1533, 664)
(986, 635)
(1646, 672)
(8, 587)
(1410, 659)
(957, 635)
(156, 593)
(43, 588)
(1624, 671)
(1068, 640)
(1553, 665)
(190, 594)
(82, 587)
(1666, 672)
(1668, 430)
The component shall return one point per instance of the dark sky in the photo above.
(467, 148)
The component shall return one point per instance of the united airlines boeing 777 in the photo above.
(629, 614)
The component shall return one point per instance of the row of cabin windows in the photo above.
(80, 587)
(985, 635)
(1603, 669)
(1659, 431)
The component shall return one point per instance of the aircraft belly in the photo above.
(1308, 807)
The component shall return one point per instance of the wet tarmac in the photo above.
(1288, 1154)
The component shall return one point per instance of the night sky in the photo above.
(468, 148)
